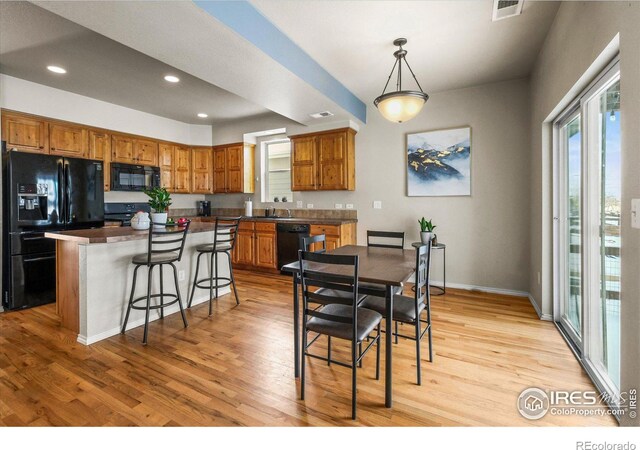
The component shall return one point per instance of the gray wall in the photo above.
(580, 33)
(487, 234)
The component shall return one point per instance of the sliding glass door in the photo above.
(587, 231)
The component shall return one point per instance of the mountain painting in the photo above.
(439, 163)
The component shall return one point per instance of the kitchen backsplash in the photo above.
(260, 212)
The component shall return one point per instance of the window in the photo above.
(276, 164)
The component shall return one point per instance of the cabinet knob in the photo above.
(52, 148)
(42, 146)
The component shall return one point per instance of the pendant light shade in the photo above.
(400, 106)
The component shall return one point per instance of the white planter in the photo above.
(426, 236)
(159, 218)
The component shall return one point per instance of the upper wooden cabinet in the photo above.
(202, 170)
(25, 133)
(166, 161)
(182, 169)
(122, 149)
(145, 152)
(68, 140)
(323, 161)
(233, 168)
(100, 149)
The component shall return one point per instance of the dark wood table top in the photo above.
(385, 266)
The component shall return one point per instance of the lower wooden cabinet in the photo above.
(256, 246)
(336, 235)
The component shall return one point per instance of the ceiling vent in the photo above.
(320, 115)
(503, 9)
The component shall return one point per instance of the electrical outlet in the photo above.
(635, 213)
(309, 205)
(338, 205)
(181, 275)
(377, 204)
(298, 204)
(349, 205)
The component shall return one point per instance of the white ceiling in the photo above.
(118, 51)
(451, 44)
(32, 38)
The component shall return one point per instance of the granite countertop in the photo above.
(295, 220)
(109, 235)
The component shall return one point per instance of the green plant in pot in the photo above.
(426, 230)
(159, 200)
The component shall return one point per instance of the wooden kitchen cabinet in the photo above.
(166, 161)
(243, 250)
(233, 168)
(27, 134)
(145, 152)
(202, 170)
(122, 149)
(100, 149)
(256, 246)
(181, 169)
(336, 235)
(323, 161)
(68, 140)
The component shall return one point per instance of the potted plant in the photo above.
(159, 200)
(426, 230)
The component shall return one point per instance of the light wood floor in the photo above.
(236, 368)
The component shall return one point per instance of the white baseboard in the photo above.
(136, 323)
(492, 290)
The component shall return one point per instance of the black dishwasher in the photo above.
(289, 236)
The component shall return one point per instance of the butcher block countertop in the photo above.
(108, 235)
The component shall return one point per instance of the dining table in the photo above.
(380, 272)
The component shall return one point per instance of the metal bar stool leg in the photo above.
(328, 350)
(146, 317)
(133, 290)
(233, 280)
(211, 282)
(215, 265)
(175, 279)
(161, 292)
(195, 280)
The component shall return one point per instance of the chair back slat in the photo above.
(226, 231)
(423, 269)
(166, 240)
(385, 239)
(307, 241)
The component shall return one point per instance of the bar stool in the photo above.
(165, 247)
(224, 240)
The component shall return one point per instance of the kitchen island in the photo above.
(94, 275)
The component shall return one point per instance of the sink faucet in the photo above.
(288, 212)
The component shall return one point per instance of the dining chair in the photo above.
(341, 317)
(165, 246)
(409, 309)
(385, 239)
(224, 240)
(308, 241)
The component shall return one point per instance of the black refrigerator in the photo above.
(42, 193)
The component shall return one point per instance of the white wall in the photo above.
(487, 234)
(25, 96)
(580, 33)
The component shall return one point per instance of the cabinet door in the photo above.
(265, 251)
(243, 251)
(303, 164)
(234, 168)
(100, 149)
(68, 140)
(122, 149)
(333, 242)
(145, 152)
(219, 170)
(201, 170)
(165, 160)
(25, 134)
(332, 161)
(182, 169)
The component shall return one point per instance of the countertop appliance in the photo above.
(131, 177)
(42, 193)
(123, 212)
(289, 241)
(204, 208)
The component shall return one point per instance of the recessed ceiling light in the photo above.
(56, 69)
(203, 115)
(171, 78)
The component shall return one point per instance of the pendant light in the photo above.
(400, 106)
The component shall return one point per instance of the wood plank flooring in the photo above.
(236, 368)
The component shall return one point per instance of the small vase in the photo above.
(159, 218)
(426, 236)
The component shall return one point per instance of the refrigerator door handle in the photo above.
(62, 212)
(67, 192)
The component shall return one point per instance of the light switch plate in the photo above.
(338, 205)
(635, 212)
(377, 204)
(349, 205)
(309, 205)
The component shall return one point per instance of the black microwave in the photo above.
(131, 177)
